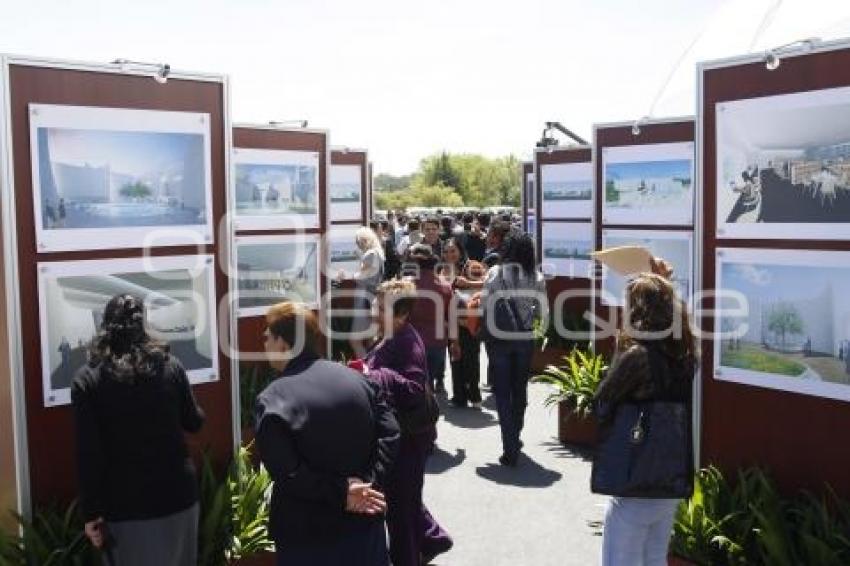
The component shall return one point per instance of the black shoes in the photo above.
(509, 461)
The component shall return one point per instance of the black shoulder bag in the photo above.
(647, 450)
(503, 313)
(423, 417)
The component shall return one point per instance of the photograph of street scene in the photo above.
(567, 190)
(90, 172)
(180, 309)
(784, 162)
(345, 189)
(674, 247)
(276, 189)
(648, 184)
(566, 249)
(795, 331)
(344, 253)
(271, 269)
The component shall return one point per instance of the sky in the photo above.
(405, 79)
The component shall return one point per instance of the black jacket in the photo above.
(319, 424)
(131, 453)
(644, 373)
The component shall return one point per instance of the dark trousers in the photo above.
(436, 357)
(363, 544)
(411, 527)
(466, 372)
(509, 368)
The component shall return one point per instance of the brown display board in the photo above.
(797, 438)
(526, 169)
(250, 329)
(616, 135)
(576, 306)
(49, 431)
(360, 157)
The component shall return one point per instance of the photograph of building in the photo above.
(276, 189)
(794, 332)
(346, 188)
(649, 184)
(179, 303)
(272, 269)
(566, 249)
(674, 247)
(94, 178)
(344, 253)
(567, 190)
(784, 162)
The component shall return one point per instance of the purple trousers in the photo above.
(413, 531)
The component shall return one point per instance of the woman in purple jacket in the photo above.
(398, 365)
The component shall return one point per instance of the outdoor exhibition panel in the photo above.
(8, 460)
(349, 184)
(643, 182)
(563, 196)
(774, 196)
(527, 200)
(370, 200)
(113, 183)
(278, 254)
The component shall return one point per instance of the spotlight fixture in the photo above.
(547, 141)
(161, 71)
(772, 58)
(637, 124)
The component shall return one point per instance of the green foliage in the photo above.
(446, 179)
(576, 381)
(234, 511)
(385, 182)
(750, 357)
(611, 192)
(783, 320)
(751, 523)
(548, 337)
(54, 537)
(136, 190)
(253, 378)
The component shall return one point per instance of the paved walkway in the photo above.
(538, 514)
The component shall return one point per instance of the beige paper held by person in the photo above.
(626, 260)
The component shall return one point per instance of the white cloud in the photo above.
(754, 275)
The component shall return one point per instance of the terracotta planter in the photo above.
(676, 561)
(541, 359)
(574, 428)
(264, 559)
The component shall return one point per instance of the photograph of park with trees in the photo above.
(793, 332)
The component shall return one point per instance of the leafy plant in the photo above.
(576, 381)
(253, 378)
(54, 537)
(214, 523)
(250, 495)
(547, 336)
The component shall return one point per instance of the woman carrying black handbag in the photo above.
(644, 457)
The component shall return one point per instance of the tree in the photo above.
(136, 190)
(784, 320)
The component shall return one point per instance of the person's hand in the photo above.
(363, 499)
(461, 282)
(94, 531)
(661, 267)
(454, 351)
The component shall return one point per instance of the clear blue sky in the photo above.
(405, 79)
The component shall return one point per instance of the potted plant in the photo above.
(550, 346)
(253, 378)
(575, 384)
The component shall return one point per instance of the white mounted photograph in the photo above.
(275, 189)
(674, 247)
(783, 166)
(530, 193)
(180, 310)
(567, 190)
(344, 256)
(110, 178)
(273, 269)
(648, 184)
(346, 192)
(793, 332)
(566, 249)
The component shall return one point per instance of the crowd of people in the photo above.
(347, 444)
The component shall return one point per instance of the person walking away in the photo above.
(465, 350)
(431, 317)
(655, 361)
(132, 404)
(366, 280)
(327, 506)
(475, 243)
(521, 289)
(398, 365)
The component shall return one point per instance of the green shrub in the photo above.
(576, 381)
(54, 537)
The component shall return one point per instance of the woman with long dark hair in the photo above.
(655, 361)
(132, 403)
(514, 295)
